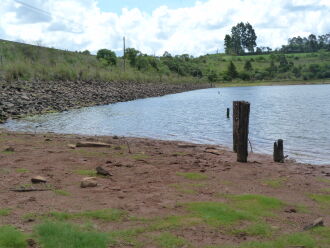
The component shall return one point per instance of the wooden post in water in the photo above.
(278, 151)
(241, 114)
(228, 113)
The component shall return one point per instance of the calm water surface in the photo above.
(300, 115)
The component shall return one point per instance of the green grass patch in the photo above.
(140, 156)
(173, 222)
(61, 192)
(7, 152)
(168, 240)
(103, 214)
(326, 190)
(22, 170)
(255, 205)
(323, 199)
(324, 180)
(90, 173)
(192, 175)
(322, 235)
(179, 154)
(275, 183)
(260, 229)
(59, 235)
(5, 212)
(126, 237)
(12, 238)
(238, 208)
(30, 216)
(216, 213)
(294, 240)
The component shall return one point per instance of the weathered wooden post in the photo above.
(228, 113)
(241, 114)
(278, 151)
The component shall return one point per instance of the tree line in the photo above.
(241, 41)
(307, 44)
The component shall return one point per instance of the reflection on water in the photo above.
(298, 114)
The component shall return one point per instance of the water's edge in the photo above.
(200, 117)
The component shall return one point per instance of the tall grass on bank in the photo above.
(27, 62)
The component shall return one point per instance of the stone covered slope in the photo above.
(28, 98)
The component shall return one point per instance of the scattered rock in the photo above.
(118, 164)
(72, 146)
(290, 210)
(31, 243)
(115, 137)
(17, 98)
(92, 144)
(316, 223)
(88, 182)
(214, 151)
(101, 171)
(115, 188)
(38, 179)
(9, 149)
(121, 196)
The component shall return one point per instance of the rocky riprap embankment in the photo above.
(27, 98)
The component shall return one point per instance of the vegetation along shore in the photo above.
(35, 79)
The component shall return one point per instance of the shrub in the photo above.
(107, 55)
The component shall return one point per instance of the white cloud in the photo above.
(80, 24)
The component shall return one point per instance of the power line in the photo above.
(41, 11)
(34, 8)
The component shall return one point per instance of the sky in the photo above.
(155, 26)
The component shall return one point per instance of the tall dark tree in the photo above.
(243, 37)
(231, 71)
(132, 54)
(228, 44)
(312, 43)
(249, 38)
(236, 35)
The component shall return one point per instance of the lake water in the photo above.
(300, 115)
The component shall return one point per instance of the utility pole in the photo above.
(124, 41)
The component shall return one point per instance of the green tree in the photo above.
(248, 65)
(86, 52)
(243, 37)
(228, 44)
(131, 54)
(212, 76)
(142, 62)
(231, 71)
(108, 56)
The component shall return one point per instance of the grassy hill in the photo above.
(27, 62)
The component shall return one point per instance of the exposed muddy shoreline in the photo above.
(22, 98)
(158, 181)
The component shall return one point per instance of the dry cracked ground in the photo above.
(160, 194)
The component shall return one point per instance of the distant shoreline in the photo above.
(272, 83)
(23, 98)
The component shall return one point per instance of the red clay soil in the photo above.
(142, 181)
